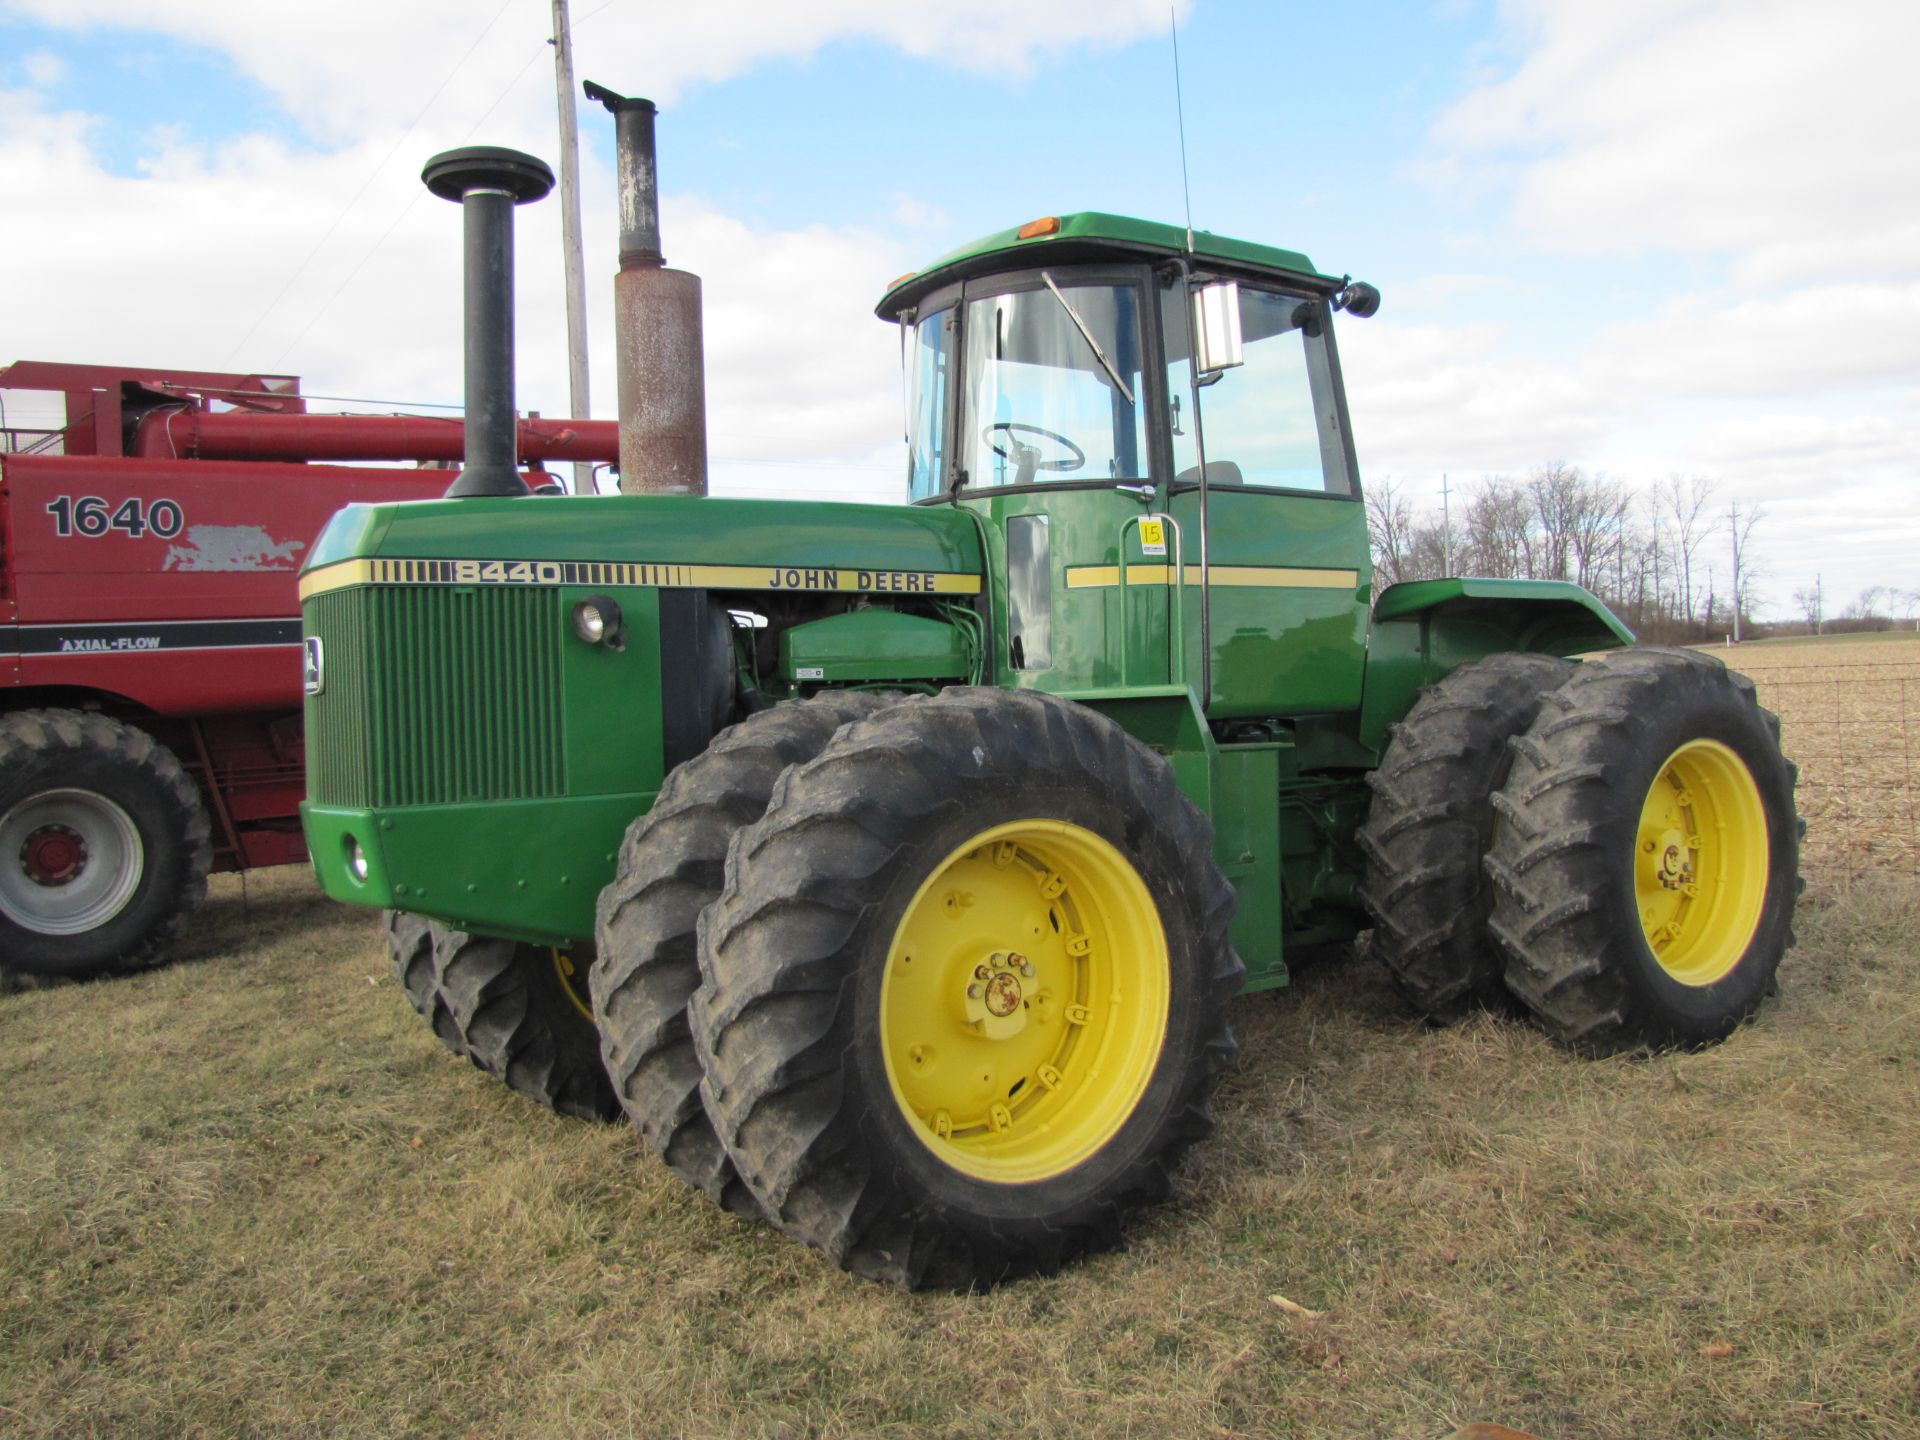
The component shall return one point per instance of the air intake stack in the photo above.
(488, 182)
(656, 326)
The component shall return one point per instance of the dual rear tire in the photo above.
(1611, 846)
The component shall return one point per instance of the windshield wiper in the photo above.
(1087, 335)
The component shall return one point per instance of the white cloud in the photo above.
(174, 265)
(1765, 145)
(43, 68)
(1700, 126)
(187, 262)
(1796, 342)
(1433, 398)
(363, 64)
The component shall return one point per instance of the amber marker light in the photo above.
(1034, 229)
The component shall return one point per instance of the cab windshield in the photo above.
(1051, 389)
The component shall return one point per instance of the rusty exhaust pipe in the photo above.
(656, 326)
(488, 182)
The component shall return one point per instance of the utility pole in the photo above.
(1446, 526)
(1819, 605)
(562, 43)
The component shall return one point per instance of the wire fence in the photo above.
(1853, 728)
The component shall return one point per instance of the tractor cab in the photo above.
(1156, 438)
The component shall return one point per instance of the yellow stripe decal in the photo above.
(1098, 577)
(612, 573)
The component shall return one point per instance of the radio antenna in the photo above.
(1180, 111)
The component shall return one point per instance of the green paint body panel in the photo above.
(1277, 649)
(528, 870)
(1246, 844)
(865, 647)
(656, 529)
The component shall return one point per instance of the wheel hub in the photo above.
(70, 861)
(53, 855)
(995, 1003)
(1674, 868)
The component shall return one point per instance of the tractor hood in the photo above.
(670, 542)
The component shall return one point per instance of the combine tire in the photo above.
(1647, 859)
(410, 940)
(671, 867)
(1429, 826)
(964, 995)
(519, 1012)
(104, 845)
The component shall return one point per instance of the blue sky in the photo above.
(1655, 236)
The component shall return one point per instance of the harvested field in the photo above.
(250, 1195)
(1849, 711)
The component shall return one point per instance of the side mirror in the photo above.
(1358, 299)
(1216, 328)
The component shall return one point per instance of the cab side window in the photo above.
(1272, 422)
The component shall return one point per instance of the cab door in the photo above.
(1289, 579)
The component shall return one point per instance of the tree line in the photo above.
(1673, 559)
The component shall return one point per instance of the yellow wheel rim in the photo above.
(1024, 1005)
(572, 980)
(1701, 862)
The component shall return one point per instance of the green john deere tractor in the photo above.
(893, 867)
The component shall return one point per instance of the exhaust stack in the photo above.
(488, 182)
(656, 326)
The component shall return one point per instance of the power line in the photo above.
(372, 174)
(352, 274)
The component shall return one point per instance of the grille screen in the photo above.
(435, 695)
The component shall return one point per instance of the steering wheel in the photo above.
(1026, 458)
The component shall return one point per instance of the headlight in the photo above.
(596, 620)
(356, 860)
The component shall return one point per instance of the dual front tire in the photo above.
(960, 992)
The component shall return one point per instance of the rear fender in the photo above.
(1424, 629)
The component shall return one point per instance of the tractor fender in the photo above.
(1425, 629)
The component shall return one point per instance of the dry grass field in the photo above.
(249, 1195)
(1849, 710)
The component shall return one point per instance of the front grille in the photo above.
(435, 696)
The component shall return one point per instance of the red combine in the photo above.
(152, 524)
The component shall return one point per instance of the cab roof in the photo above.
(1095, 235)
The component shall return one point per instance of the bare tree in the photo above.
(1597, 526)
(1499, 533)
(1809, 603)
(1868, 606)
(1740, 542)
(1554, 493)
(1685, 499)
(1389, 528)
